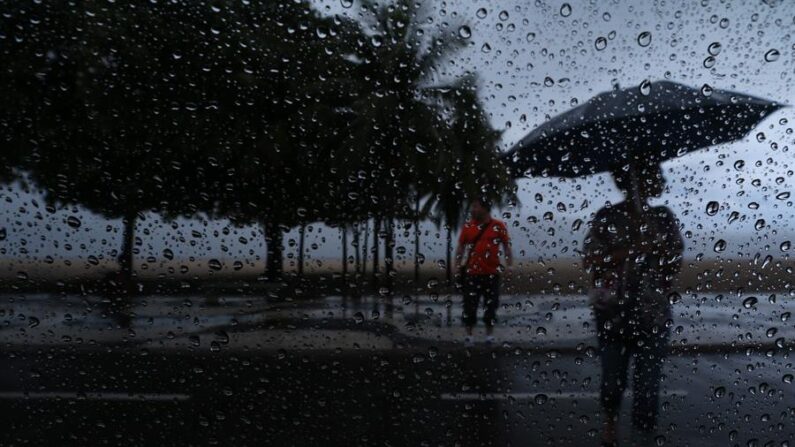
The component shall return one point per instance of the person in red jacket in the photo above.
(478, 253)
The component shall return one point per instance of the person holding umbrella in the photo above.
(633, 252)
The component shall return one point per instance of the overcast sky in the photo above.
(536, 59)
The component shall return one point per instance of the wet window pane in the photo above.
(404, 222)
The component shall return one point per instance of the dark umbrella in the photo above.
(656, 121)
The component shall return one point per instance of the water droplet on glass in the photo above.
(706, 90)
(73, 222)
(772, 55)
(759, 224)
(720, 392)
(601, 43)
(770, 333)
(739, 164)
(750, 302)
(724, 23)
(530, 37)
(783, 195)
(541, 399)
(645, 87)
(787, 378)
(346, 3)
(465, 32)
(214, 264)
(644, 39)
(712, 208)
(482, 13)
(785, 246)
(709, 62)
(719, 246)
(565, 10)
(486, 48)
(714, 48)
(504, 15)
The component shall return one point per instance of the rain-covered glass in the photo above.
(397, 222)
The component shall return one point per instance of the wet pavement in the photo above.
(335, 371)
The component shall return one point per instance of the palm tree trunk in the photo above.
(389, 252)
(344, 252)
(417, 240)
(301, 240)
(449, 260)
(126, 255)
(365, 247)
(376, 231)
(274, 261)
(357, 266)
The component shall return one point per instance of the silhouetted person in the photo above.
(633, 252)
(478, 255)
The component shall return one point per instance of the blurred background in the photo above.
(272, 192)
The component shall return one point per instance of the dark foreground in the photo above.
(218, 390)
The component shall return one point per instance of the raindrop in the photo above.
(714, 48)
(214, 264)
(771, 332)
(739, 164)
(785, 316)
(3, 234)
(541, 399)
(482, 13)
(504, 15)
(772, 55)
(33, 322)
(706, 90)
(565, 10)
(358, 318)
(709, 62)
(644, 39)
(530, 37)
(759, 224)
(486, 48)
(724, 23)
(601, 43)
(73, 222)
(719, 246)
(785, 246)
(750, 302)
(720, 392)
(712, 208)
(465, 32)
(787, 378)
(783, 195)
(168, 254)
(346, 3)
(645, 87)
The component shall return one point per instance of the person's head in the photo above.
(647, 176)
(480, 208)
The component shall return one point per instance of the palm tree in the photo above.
(398, 115)
(470, 166)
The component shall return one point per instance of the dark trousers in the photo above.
(476, 287)
(648, 359)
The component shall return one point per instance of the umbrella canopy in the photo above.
(655, 121)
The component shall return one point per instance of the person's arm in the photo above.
(506, 247)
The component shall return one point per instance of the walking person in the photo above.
(478, 257)
(633, 252)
